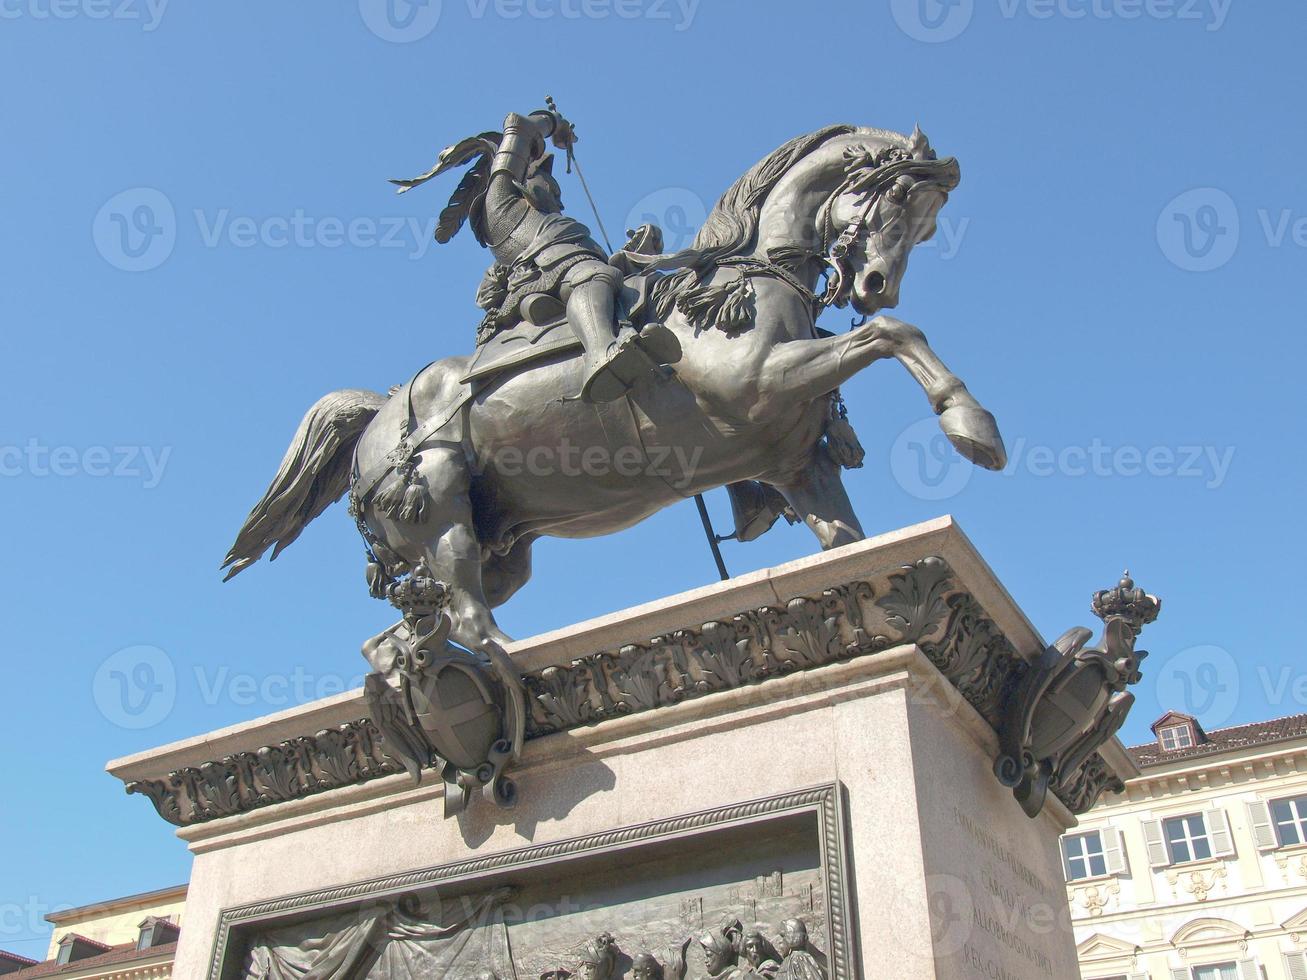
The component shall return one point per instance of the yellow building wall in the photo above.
(116, 924)
(1148, 922)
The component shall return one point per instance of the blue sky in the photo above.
(198, 242)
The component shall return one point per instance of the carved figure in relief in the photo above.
(800, 960)
(761, 956)
(598, 960)
(647, 966)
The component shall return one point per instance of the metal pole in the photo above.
(698, 497)
(712, 536)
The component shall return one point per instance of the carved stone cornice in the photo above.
(921, 603)
(334, 757)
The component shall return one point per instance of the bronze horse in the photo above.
(462, 477)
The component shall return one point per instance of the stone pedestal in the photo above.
(813, 741)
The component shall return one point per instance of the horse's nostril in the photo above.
(875, 283)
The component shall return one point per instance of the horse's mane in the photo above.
(732, 227)
(733, 224)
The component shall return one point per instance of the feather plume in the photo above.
(469, 190)
(450, 157)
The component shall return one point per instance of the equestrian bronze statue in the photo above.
(605, 387)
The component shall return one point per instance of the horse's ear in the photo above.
(919, 145)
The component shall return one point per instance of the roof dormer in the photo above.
(157, 931)
(12, 962)
(1177, 731)
(73, 947)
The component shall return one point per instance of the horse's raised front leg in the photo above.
(969, 426)
(809, 369)
(817, 495)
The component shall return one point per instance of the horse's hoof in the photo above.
(974, 434)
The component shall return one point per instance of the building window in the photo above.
(1084, 856)
(1186, 838)
(1190, 837)
(1221, 971)
(1177, 737)
(1290, 816)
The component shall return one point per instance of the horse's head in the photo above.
(887, 201)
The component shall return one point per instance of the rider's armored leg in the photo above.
(613, 361)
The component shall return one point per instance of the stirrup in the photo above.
(622, 368)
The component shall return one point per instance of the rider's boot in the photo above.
(755, 507)
(613, 364)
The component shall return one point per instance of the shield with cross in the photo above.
(458, 709)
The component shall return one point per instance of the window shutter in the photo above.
(1181, 973)
(1113, 850)
(1295, 966)
(1218, 831)
(1157, 855)
(1259, 818)
(1248, 970)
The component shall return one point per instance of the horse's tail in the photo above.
(314, 474)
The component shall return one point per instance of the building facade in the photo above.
(1198, 870)
(132, 938)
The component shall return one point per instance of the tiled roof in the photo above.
(1223, 740)
(8, 957)
(116, 956)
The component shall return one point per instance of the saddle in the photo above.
(542, 330)
(521, 345)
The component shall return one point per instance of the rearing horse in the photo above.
(463, 477)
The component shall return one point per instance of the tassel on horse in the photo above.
(727, 306)
(405, 499)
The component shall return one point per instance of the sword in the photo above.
(572, 162)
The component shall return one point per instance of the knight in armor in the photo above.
(514, 205)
